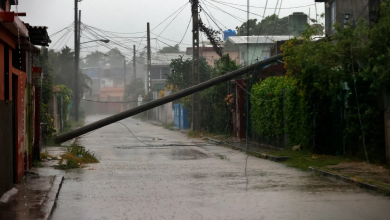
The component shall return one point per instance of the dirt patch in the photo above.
(362, 170)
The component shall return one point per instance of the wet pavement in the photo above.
(170, 176)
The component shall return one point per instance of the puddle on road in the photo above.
(142, 147)
(187, 154)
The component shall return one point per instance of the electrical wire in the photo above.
(303, 6)
(238, 9)
(88, 100)
(133, 134)
(219, 9)
(172, 20)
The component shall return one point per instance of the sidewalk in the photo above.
(34, 197)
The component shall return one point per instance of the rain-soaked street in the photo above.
(175, 177)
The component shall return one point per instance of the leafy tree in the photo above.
(271, 25)
(115, 57)
(66, 95)
(216, 114)
(95, 59)
(181, 73)
(63, 68)
(174, 49)
(42, 60)
(353, 63)
(132, 91)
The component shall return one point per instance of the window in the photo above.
(264, 53)
(17, 59)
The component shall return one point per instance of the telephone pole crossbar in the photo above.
(177, 95)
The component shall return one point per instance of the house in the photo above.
(160, 68)
(113, 96)
(343, 11)
(252, 48)
(19, 96)
(208, 52)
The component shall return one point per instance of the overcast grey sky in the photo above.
(128, 16)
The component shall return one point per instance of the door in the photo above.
(14, 131)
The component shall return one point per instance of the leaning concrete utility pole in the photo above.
(177, 95)
(134, 66)
(196, 125)
(76, 64)
(124, 73)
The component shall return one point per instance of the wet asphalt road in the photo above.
(135, 181)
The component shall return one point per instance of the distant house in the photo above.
(253, 48)
(160, 66)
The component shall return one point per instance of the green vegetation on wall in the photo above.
(354, 62)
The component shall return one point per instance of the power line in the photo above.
(239, 9)
(61, 30)
(186, 30)
(219, 9)
(170, 15)
(172, 20)
(212, 18)
(88, 100)
(303, 6)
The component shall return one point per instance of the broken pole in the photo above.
(177, 95)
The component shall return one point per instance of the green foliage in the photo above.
(66, 95)
(71, 164)
(216, 114)
(42, 60)
(212, 99)
(133, 90)
(278, 108)
(303, 159)
(181, 73)
(354, 60)
(270, 25)
(62, 64)
(174, 49)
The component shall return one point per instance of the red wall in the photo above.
(21, 122)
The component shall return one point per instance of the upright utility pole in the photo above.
(196, 125)
(76, 63)
(149, 66)
(134, 66)
(149, 58)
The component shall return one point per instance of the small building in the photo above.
(160, 67)
(111, 99)
(211, 56)
(19, 96)
(252, 48)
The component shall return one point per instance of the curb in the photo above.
(317, 172)
(262, 155)
(51, 197)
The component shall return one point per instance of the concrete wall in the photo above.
(355, 8)
(6, 143)
(256, 51)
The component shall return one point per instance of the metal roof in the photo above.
(262, 39)
(38, 35)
